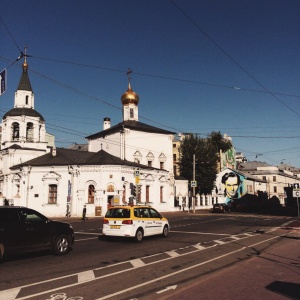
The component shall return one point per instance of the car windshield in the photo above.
(118, 213)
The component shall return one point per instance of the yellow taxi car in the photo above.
(134, 221)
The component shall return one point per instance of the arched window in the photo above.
(26, 100)
(131, 113)
(110, 188)
(29, 132)
(161, 194)
(147, 193)
(15, 131)
(91, 194)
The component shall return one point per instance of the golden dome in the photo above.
(130, 97)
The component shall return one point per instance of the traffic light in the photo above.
(132, 189)
(139, 189)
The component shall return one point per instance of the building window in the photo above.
(274, 178)
(174, 157)
(161, 194)
(174, 145)
(110, 188)
(91, 194)
(15, 131)
(29, 132)
(137, 156)
(250, 190)
(161, 164)
(275, 189)
(52, 199)
(26, 100)
(149, 163)
(147, 193)
(265, 178)
(131, 113)
(175, 170)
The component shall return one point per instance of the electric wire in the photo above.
(231, 58)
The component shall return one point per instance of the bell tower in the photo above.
(23, 126)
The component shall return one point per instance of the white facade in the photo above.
(111, 186)
(137, 146)
(59, 182)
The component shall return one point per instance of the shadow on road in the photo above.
(287, 289)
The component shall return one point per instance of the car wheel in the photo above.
(139, 235)
(165, 232)
(61, 244)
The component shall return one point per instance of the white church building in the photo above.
(57, 182)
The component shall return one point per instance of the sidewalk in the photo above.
(274, 274)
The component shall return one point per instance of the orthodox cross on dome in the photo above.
(25, 51)
(25, 65)
(129, 72)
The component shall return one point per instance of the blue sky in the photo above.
(198, 66)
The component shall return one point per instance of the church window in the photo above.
(26, 100)
(15, 131)
(161, 194)
(29, 132)
(162, 159)
(149, 163)
(137, 156)
(131, 113)
(147, 193)
(110, 188)
(91, 194)
(52, 198)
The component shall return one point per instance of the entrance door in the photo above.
(110, 201)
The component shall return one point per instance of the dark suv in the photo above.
(23, 229)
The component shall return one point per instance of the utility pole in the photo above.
(193, 180)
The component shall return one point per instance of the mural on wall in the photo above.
(228, 159)
(233, 186)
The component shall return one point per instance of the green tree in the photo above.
(206, 159)
(219, 142)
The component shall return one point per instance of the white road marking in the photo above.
(219, 242)
(210, 233)
(172, 253)
(137, 263)
(86, 276)
(199, 247)
(88, 233)
(11, 294)
(171, 287)
(182, 270)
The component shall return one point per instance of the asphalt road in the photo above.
(199, 246)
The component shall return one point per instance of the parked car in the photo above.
(134, 221)
(23, 229)
(220, 208)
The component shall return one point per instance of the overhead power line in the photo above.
(230, 57)
(231, 87)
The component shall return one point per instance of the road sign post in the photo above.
(296, 194)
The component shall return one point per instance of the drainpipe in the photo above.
(28, 186)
